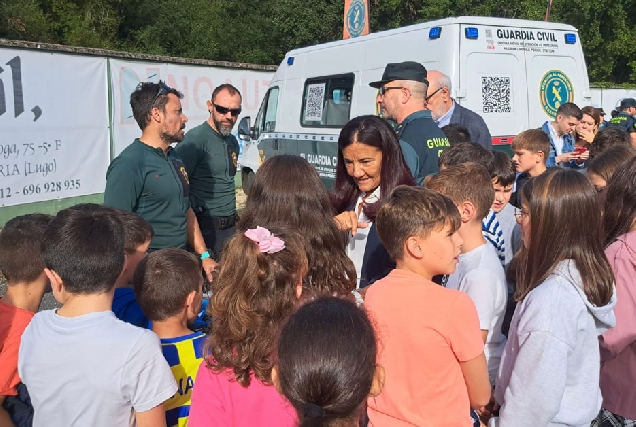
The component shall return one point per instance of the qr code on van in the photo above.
(314, 102)
(496, 94)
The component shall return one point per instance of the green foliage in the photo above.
(262, 31)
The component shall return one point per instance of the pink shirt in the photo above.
(618, 345)
(218, 400)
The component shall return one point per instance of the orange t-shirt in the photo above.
(424, 331)
(13, 322)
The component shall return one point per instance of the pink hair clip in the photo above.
(267, 242)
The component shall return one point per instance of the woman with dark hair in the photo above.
(327, 363)
(618, 345)
(370, 165)
(287, 190)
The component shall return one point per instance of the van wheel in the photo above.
(247, 175)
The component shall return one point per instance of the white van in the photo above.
(514, 73)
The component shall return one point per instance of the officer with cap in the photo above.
(625, 118)
(402, 99)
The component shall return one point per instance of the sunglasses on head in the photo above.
(224, 110)
(164, 89)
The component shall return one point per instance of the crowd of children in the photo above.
(510, 304)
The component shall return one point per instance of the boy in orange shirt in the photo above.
(431, 346)
(22, 266)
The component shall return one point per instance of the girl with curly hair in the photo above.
(258, 287)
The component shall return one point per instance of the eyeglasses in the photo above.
(385, 89)
(224, 110)
(519, 214)
(433, 94)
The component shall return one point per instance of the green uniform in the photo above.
(623, 121)
(145, 181)
(210, 160)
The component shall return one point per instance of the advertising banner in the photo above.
(54, 137)
(196, 82)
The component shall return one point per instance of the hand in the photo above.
(584, 156)
(488, 411)
(586, 135)
(566, 157)
(209, 265)
(348, 221)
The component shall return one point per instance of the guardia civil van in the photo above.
(514, 73)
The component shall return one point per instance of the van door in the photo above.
(492, 81)
(556, 74)
(251, 157)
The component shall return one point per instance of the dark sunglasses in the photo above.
(432, 94)
(224, 110)
(385, 89)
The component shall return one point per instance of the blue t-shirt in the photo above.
(126, 308)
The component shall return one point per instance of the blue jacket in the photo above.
(475, 124)
(568, 147)
(376, 262)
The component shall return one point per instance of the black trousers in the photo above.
(216, 232)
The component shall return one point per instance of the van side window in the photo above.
(327, 101)
(266, 118)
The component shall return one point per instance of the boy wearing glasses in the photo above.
(402, 99)
(210, 153)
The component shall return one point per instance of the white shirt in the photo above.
(482, 277)
(91, 370)
(358, 243)
(558, 140)
(445, 119)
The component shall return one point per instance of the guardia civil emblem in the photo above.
(555, 89)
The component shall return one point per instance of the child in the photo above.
(22, 266)
(602, 167)
(327, 363)
(258, 287)
(479, 272)
(431, 348)
(531, 149)
(618, 345)
(169, 288)
(549, 371)
(503, 181)
(137, 236)
(81, 364)
(470, 152)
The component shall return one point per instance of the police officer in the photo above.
(210, 154)
(625, 118)
(150, 179)
(402, 99)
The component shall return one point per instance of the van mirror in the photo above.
(244, 129)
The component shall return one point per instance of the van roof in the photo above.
(469, 20)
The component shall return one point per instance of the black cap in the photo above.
(601, 111)
(627, 102)
(407, 70)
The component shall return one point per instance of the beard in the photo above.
(223, 128)
(171, 137)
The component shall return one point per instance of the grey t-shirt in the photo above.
(91, 370)
(480, 274)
